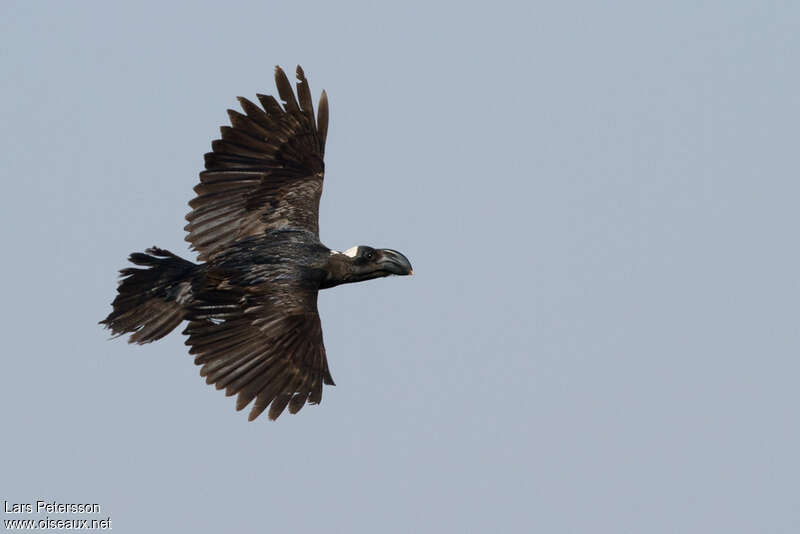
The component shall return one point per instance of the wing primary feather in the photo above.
(267, 395)
(235, 358)
(285, 91)
(255, 113)
(278, 405)
(322, 120)
(271, 106)
(247, 124)
(297, 402)
(315, 397)
(304, 95)
(249, 389)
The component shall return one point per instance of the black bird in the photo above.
(251, 306)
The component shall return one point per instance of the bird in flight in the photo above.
(251, 302)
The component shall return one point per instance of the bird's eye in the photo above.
(370, 255)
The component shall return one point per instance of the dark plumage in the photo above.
(251, 307)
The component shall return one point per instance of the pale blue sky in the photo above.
(600, 204)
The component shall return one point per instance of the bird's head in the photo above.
(361, 263)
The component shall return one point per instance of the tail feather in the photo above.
(151, 302)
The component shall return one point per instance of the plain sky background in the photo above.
(600, 201)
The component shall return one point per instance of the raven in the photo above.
(251, 304)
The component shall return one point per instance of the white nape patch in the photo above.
(351, 252)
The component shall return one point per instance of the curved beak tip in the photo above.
(395, 263)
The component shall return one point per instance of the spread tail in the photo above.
(152, 301)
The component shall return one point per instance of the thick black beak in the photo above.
(393, 262)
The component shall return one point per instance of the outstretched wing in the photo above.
(261, 343)
(265, 173)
